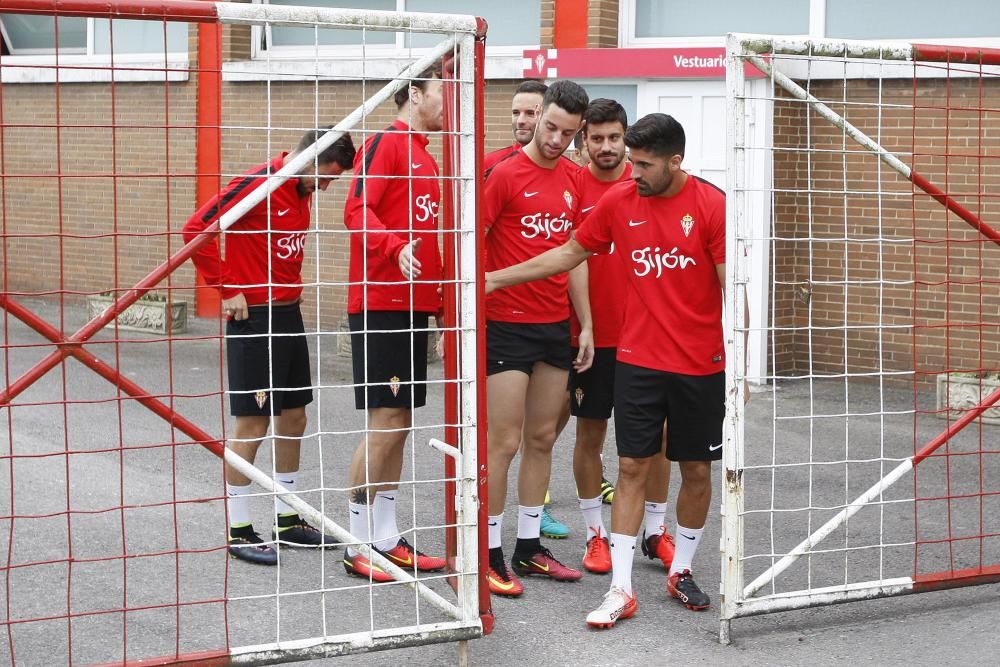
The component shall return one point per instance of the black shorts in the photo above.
(693, 407)
(268, 362)
(514, 346)
(390, 360)
(592, 393)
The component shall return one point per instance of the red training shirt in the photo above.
(670, 246)
(528, 209)
(606, 284)
(277, 224)
(393, 199)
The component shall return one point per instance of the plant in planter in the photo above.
(961, 391)
(152, 312)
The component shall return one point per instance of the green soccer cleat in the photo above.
(552, 527)
(607, 491)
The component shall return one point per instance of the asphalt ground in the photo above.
(124, 457)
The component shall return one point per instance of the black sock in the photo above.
(527, 547)
(496, 558)
(288, 520)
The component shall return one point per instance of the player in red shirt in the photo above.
(529, 204)
(591, 393)
(261, 284)
(395, 271)
(525, 107)
(670, 229)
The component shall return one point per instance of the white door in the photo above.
(699, 106)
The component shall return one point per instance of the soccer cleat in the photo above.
(245, 544)
(617, 606)
(404, 556)
(607, 491)
(294, 531)
(501, 581)
(597, 557)
(359, 566)
(545, 564)
(658, 546)
(681, 585)
(552, 527)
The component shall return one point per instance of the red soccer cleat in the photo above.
(502, 582)
(681, 586)
(405, 555)
(659, 546)
(597, 558)
(544, 563)
(359, 566)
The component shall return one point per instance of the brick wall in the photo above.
(603, 19)
(92, 232)
(931, 269)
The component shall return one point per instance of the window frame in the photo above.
(817, 30)
(260, 38)
(175, 62)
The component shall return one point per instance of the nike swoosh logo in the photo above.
(492, 523)
(389, 497)
(587, 209)
(687, 537)
(281, 213)
(355, 512)
(533, 516)
(530, 194)
(636, 223)
(543, 568)
(285, 481)
(401, 561)
(502, 585)
(712, 448)
(416, 166)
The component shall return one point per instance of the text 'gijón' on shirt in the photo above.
(670, 246)
(528, 209)
(264, 248)
(394, 199)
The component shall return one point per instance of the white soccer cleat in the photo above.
(617, 605)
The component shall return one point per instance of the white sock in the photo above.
(495, 525)
(654, 517)
(591, 508)
(359, 515)
(384, 519)
(529, 522)
(238, 505)
(686, 541)
(287, 480)
(622, 553)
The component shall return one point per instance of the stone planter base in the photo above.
(957, 393)
(149, 316)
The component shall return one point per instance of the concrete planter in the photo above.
(144, 315)
(957, 392)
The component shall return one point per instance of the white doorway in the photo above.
(700, 106)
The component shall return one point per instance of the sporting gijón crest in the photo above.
(687, 224)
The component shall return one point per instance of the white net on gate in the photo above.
(115, 523)
(857, 226)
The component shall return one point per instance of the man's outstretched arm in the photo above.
(549, 263)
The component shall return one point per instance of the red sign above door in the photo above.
(677, 63)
